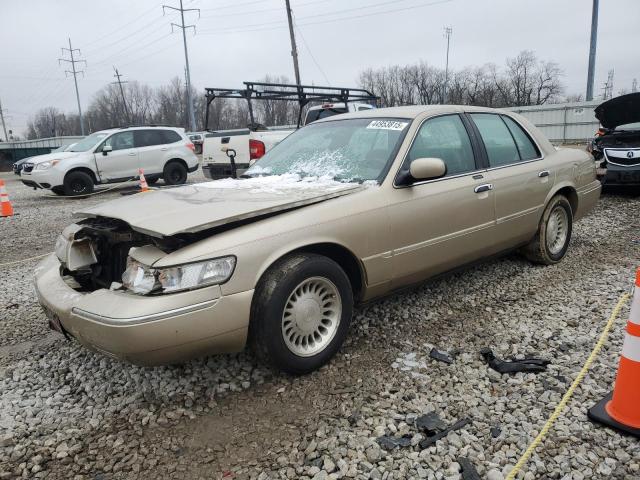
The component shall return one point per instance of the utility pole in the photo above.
(294, 49)
(184, 27)
(592, 50)
(608, 86)
(124, 101)
(4, 126)
(447, 33)
(75, 72)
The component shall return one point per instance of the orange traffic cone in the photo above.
(143, 181)
(6, 210)
(621, 409)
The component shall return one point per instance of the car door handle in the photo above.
(544, 173)
(132, 154)
(483, 188)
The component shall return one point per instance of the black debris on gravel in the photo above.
(430, 423)
(531, 365)
(387, 442)
(496, 431)
(432, 439)
(440, 356)
(467, 469)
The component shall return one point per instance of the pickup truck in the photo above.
(250, 144)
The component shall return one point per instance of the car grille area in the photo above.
(626, 157)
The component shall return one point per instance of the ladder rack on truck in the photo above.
(303, 94)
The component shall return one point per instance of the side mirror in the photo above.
(427, 168)
(106, 149)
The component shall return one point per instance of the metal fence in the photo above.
(13, 151)
(563, 122)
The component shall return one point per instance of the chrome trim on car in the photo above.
(96, 317)
(442, 238)
(635, 154)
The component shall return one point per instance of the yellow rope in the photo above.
(567, 396)
(24, 259)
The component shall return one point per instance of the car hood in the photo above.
(197, 207)
(53, 156)
(619, 111)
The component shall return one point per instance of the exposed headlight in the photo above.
(46, 165)
(142, 279)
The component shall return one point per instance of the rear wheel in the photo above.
(78, 183)
(551, 242)
(175, 173)
(301, 313)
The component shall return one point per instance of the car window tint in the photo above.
(497, 139)
(120, 141)
(171, 136)
(445, 138)
(148, 138)
(528, 150)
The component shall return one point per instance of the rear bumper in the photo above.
(143, 330)
(216, 171)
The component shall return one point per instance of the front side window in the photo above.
(446, 138)
(120, 141)
(352, 150)
(498, 141)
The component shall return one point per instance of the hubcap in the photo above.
(557, 230)
(311, 316)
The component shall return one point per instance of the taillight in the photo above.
(190, 146)
(256, 149)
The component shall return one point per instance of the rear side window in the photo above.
(148, 138)
(445, 138)
(526, 147)
(498, 141)
(171, 136)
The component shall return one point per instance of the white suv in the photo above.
(112, 156)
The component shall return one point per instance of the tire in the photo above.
(174, 173)
(77, 183)
(58, 190)
(313, 288)
(548, 251)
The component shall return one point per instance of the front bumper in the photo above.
(621, 175)
(151, 330)
(42, 178)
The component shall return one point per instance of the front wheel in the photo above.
(77, 183)
(551, 242)
(301, 313)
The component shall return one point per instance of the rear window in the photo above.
(171, 136)
(313, 115)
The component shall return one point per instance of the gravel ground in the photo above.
(69, 413)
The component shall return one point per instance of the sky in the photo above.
(247, 39)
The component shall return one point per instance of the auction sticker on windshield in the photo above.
(387, 125)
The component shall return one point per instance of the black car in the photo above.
(616, 146)
(17, 166)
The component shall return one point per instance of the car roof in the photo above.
(411, 111)
(140, 127)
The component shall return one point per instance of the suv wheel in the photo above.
(301, 313)
(78, 183)
(551, 242)
(174, 173)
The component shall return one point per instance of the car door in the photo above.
(151, 149)
(441, 223)
(122, 161)
(521, 177)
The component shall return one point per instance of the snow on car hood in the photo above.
(196, 207)
(619, 110)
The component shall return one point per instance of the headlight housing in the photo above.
(46, 165)
(143, 280)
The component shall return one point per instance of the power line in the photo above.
(306, 45)
(184, 27)
(75, 72)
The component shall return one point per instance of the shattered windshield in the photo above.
(354, 150)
